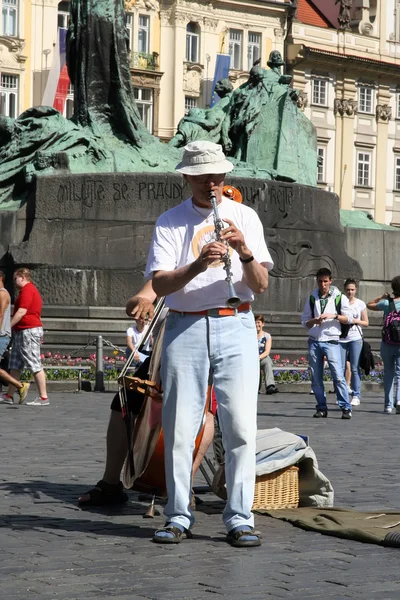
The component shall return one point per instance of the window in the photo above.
(363, 168)
(235, 48)
(319, 92)
(143, 39)
(253, 48)
(8, 95)
(190, 102)
(144, 102)
(398, 105)
(192, 42)
(63, 15)
(321, 164)
(397, 173)
(9, 14)
(69, 102)
(365, 99)
(129, 29)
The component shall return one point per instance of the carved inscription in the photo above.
(88, 193)
(160, 191)
(282, 197)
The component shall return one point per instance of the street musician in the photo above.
(208, 258)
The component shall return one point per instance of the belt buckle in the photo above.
(213, 312)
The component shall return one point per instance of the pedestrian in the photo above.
(351, 344)
(324, 312)
(27, 335)
(5, 337)
(264, 349)
(390, 345)
(192, 263)
(133, 336)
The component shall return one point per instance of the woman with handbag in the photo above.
(351, 344)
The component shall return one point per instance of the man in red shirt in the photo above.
(27, 335)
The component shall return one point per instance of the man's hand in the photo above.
(327, 316)
(141, 307)
(235, 239)
(209, 254)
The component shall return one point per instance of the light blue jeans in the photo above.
(391, 370)
(4, 341)
(316, 353)
(355, 348)
(192, 345)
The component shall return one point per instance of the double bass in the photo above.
(144, 469)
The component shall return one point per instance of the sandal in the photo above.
(104, 494)
(177, 534)
(243, 538)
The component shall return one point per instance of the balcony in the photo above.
(148, 62)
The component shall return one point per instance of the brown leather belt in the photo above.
(217, 312)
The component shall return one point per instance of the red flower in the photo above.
(277, 357)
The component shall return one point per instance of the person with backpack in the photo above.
(390, 346)
(351, 341)
(324, 313)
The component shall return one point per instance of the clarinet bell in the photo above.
(233, 300)
(150, 511)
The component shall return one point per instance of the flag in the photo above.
(221, 72)
(57, 85)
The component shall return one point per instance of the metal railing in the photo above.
(141, 60)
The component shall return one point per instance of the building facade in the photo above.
(349, 76)
(193, 33)
(15, 84)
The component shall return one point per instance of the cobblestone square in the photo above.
(50, 549)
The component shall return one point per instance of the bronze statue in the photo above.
(206, 124)
(344, 17)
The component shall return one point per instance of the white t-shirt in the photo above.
(135, 336)
(355, 331)
(179, 235)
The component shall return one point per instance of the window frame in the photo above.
(69, 100)
(192, 37)
(363, 109)
(145, 106)
(318, 93)
(321, 172)
(250, 48)
(8, 7)
(232, 45)
(130, 28)
(144, 29)
(6, 92)
(361, 162)
(190, 102)
(397, 173)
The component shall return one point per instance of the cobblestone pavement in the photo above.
(52, 550)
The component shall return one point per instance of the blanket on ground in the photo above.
(381, 528)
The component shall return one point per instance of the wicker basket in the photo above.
(277, 490)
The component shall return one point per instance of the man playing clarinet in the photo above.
(189, 264)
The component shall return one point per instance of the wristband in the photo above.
(246, 260)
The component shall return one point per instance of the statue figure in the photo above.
(344, 17)
(98, 66)
(262, 92)
(206, 124)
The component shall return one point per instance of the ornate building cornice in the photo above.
(344, 107)
(383, 113)
(14, 46)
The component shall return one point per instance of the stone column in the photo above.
(344, 110)
(383, 116)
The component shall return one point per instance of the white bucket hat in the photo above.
(204, 158)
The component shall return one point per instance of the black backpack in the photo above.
(345, 328)
(391, 326)
(367, 362)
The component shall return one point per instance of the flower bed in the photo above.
(285, 371)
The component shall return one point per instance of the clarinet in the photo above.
(233, 300)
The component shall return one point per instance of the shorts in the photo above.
(135, 399)
(4, 341)
(25, 350)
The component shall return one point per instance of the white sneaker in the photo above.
(6, 399)
(38, 402)
(355, 401)
(388, 411)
